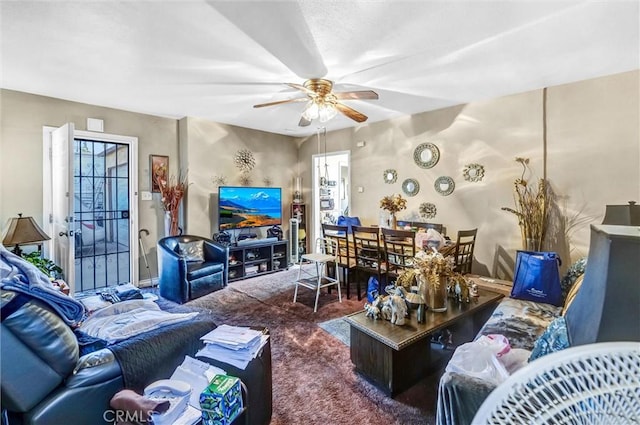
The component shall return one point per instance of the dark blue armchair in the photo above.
(183, 277)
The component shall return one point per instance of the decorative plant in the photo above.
(47, 266)
(531, 208)
(393, 203)
(172, 190)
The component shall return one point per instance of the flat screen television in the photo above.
(246, 207)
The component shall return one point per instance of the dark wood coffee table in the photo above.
(396, 357)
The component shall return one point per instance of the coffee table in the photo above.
(396, 357)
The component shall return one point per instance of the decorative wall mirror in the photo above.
(410, 187)
(444, 185)
(473, 172)
(426, 155)
(390, 176)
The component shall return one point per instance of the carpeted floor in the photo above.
(314, 381)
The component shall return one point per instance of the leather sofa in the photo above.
(182, 280)
(45, 381)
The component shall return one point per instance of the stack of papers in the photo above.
(234, 345)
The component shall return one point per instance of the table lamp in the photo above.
(23, 231)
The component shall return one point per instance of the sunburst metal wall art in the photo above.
(245, 179)
(427, 210)
(219, 180)
(244, 160)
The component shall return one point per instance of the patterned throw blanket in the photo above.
(19, 275)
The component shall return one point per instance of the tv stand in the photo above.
(253, 257)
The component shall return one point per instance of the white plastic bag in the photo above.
(480, 359)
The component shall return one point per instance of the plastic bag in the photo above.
(480, 359)
(372, 289)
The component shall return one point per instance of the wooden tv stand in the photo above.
(258, 258)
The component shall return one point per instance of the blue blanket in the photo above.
(19, 275)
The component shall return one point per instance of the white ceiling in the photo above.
(215, 59)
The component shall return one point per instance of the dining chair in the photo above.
(463, 253)
(399, 250)
(345, 256)
(324, 253)
(422, 225)
(369, 255)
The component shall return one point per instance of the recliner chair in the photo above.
(182, 280)
(44, 379)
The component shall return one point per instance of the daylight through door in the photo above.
(101, 209)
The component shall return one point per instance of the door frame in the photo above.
(47, 189)
(315, 190)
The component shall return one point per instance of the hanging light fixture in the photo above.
(322, 106)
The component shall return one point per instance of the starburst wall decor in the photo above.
(244, 160)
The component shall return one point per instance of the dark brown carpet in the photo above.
(314, 381)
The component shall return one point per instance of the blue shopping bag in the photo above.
(537, 277)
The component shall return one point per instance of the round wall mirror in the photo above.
(410, 187)
(426, 155)
(473, 172)
(390, 176)
(444, 185)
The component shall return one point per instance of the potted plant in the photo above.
(48, 267)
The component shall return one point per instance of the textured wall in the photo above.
(593, 160)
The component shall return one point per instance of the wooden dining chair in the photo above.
(399, 250)
(435, 226)
(369, 252)
(464, 247)
(345, 264)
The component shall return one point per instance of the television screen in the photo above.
(244, 207)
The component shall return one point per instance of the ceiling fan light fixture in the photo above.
(312, 111)
(326, 112)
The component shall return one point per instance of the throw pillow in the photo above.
(573, 273)
(191, 251)
(554, 338)
(572, 294)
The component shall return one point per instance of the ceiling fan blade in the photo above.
(351, 113)
(304, 122)
(280, 102)
(301, 88)
(354, 95)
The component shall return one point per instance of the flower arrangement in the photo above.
(532, 208)
(432, 265)
(172, 190)
(393, 203)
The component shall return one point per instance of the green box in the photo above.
(221, 401)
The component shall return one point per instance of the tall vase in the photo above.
(167, 223)
(393, 221)
(437, 295)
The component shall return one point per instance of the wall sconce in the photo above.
(24, 231)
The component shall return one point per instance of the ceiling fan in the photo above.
(323, 103)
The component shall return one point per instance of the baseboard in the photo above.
(146, 283)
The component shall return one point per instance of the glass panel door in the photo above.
(101, 211)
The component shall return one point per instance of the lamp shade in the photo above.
(24, 230)
(624, 215)
(607, 305)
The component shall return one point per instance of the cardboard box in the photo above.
(221, 401)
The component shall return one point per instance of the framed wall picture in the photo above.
(158, 168)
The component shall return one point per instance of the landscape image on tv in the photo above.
(240, 207)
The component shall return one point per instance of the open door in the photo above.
(62, 203)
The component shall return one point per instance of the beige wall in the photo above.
(593, 160)
(208, 149)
